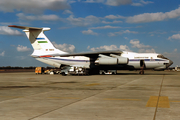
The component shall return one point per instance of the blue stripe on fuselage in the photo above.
(131, 60)
(147, 60)
(40, 38)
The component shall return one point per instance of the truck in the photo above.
(42, 70)
(39, 70)
(73, 70)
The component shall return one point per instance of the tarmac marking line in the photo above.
(162, 101)
(174, 101)
(158, 99)
(122, 99)
(63, 98)
(11, 96)
(93, 84)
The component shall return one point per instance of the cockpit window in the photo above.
(161, 56)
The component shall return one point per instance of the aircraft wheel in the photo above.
(63, 74)
(141, 72)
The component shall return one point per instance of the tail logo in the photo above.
(41, 40)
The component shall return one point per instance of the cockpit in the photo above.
(161, 56)
(167, 64)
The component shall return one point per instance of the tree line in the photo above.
(17, 67)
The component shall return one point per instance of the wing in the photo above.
(88, 54)
(94, 54)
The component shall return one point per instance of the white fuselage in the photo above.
(150, 59)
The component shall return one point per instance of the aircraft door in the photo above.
(142, 67)
(142, 63)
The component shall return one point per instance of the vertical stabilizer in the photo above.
(38, 39)
(40, 43)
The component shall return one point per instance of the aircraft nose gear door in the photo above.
(142, 66)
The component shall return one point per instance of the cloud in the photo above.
(89, 32)
(111, 2)
(175, 50)
(146, 2)
(65, 47)
(105, 47)
(21, 57)
(111, 34)
(136, 4)
(88, 47)
(128, 31)
(61, 28)
(142, 48)
(141, 3)
(136, 44)
(121, 32)
(94, 1)
(114, 22)
(22, 16)
(2, 54)
(32, 6)
(151, 17)
(106, 27)
(114, 17)
(157, 32)
(67, 12)
(4, 30)
(21, 48)
(118, 2)
(147, 50)
(124, 47)
(89, 20)
(126, 38)
(111, 47)
(175, 36)
(14, 23)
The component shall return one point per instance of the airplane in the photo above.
(90, 62)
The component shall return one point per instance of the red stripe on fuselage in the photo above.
(45, 56)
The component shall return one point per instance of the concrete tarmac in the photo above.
(126, 96)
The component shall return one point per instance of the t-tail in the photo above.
(41, 44)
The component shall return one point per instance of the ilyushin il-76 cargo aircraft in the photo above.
(89, 62)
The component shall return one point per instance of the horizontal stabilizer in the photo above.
(29, 28)
(25, 28)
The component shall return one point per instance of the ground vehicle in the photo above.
(39, 70)
(108, 72)
(74, 71)
(42, 70)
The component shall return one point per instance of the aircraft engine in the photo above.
(112, 61)
(123, 60)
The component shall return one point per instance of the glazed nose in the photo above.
(170, 63)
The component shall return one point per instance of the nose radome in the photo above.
(170, 63)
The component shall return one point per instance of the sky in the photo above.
(142, 26)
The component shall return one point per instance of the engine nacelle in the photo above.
(107, 61)
(112, 61)
(123, 60)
